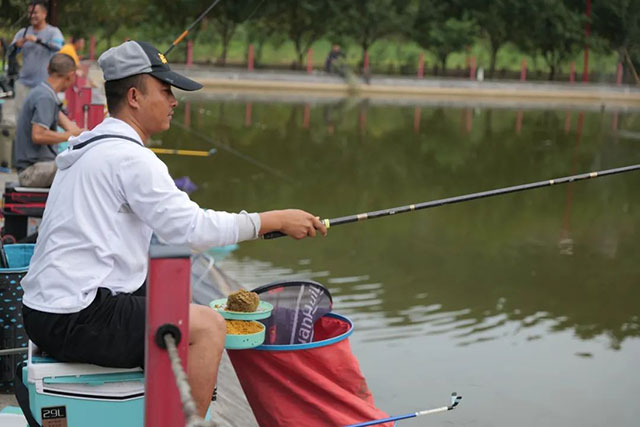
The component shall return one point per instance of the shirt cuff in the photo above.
(248, 226)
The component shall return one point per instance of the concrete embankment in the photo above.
(414, 90)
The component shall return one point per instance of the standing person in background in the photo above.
(36, 133)
(38, 43)
(75, 44)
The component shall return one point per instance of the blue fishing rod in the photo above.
(455, 400)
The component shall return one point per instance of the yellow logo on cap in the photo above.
(162, 58)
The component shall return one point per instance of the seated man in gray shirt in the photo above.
(36, 133)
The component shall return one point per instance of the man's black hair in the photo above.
(61, 65)
(116, 90)
(43, 3)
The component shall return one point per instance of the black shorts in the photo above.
(110, 332)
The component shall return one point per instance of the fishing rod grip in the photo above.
(273, 235)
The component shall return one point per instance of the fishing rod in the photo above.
(184, 152)
(186, 32)
(455, 400)
(451, 200)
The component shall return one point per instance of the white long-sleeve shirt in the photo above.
(107, 198)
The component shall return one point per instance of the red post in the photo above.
(309, 61)
(587, 33)
(306, 118)
(92, 48)
(523, 71)
(189, 53)
(572, 72)
(619, 74)
(248, 114)
(168, 297)
(96, 115)
(250, 58)
(472, 68)
(421, 65)
(365, 67)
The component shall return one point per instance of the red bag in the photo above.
(313, 384)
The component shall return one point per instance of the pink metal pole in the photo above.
(519, 118)
(421, 65)
(83, 97)
(587, 33)
(523, 71)
(572, 72)
(248, 114)
(306, 118)
(92, 48)
(250, 58)
(365, 67)
(619, 74)
(168, 295)
(472, 68)
(309, 61)
(189, 53)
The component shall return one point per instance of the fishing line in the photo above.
(235, 152)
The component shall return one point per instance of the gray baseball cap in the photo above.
(134, 57)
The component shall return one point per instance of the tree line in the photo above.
(554, 30)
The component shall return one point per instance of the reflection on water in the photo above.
(543, 283)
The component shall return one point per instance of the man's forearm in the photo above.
(49, 137)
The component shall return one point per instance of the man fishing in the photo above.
(84, 293)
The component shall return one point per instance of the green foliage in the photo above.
(365, 21)
(550, 28)
(303, 21)
(12, 15)
(434, 29)
(499, 33)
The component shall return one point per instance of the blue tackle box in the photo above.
(83, 394)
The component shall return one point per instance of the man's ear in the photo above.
(133, 98)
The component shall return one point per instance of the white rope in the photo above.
(188, 405)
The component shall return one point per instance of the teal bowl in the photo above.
(262, 312)
(242, 342)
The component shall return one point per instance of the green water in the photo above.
(527, 304)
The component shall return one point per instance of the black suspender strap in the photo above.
(96, 138)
